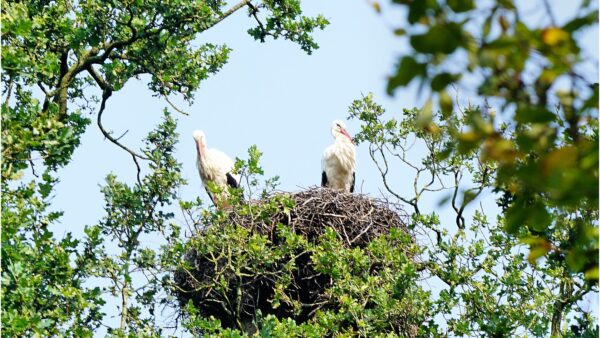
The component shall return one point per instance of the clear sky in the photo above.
(272, 95)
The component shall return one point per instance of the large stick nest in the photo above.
(356, 219)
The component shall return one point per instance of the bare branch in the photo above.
(260, 24)
(181, 111)
(42, 88)
(549, 12)
(33, 168)
(460, 222)
(384, 173)
(125, 133)
(106, 93)
(66, 75)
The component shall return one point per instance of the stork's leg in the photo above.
(210, 194)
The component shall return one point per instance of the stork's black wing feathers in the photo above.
(353, 181)
(231, 181)
(323, 179)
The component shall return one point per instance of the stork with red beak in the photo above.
(215, 167)
(339, 160)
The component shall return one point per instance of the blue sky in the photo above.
(272, 95)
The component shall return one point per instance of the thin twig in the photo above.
(43, 89)
(32, 168)
(549, 12)
(106, 93)
(260, 24)
(179, 110)
(125, 133)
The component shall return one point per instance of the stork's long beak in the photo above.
(347, 135)
(199, 148)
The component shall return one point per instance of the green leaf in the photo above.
(442, 38)
(533, 114)
(416, 10)
(446, 104)
(592, 274)
(425, 115)
(408, 68)
(538, 247)
(508, 4)
(399, 31)
(442, 80)
(460, 6)
(516, 215)
(576, 259)
(538, 217)
(580, 22)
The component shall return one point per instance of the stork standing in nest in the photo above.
(339, 162)
(215, 168)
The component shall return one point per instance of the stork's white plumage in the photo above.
(216, 167)
(339, 162)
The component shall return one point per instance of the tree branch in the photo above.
(456, 209)
(9, 90)
(124, 306)
(106, 93)
(181, 111)
(260, 24)
(64, 80)
(229, 12)
(549, 12)
(384, 173)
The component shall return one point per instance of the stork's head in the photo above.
(200, 140)
(338, 128)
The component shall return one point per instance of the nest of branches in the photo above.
(234, 293)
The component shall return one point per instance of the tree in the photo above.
(486, 284)
(55, 56)
(521, 272)
(540, 155)
(546, 147)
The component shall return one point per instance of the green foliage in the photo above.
(238, 280)
(137, 272)
(26, 130)
(370, 291)
(251, 172)
(284, 19)
(488, 286)
(43, 292)
(542, 164)
(61, 48)
(56, 55)
(547, 153)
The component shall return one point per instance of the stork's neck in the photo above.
(344, 139)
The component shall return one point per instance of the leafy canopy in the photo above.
(545, 141)
(57, 56)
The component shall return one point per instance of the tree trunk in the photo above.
(565, 293)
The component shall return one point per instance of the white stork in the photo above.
(214, 166)
(338, 162)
